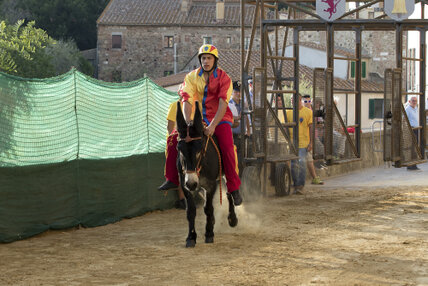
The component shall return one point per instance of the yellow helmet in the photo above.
(208, 49)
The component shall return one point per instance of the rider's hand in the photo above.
(209, 131)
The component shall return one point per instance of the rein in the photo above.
(188, 139)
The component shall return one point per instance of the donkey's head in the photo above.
(190, 146)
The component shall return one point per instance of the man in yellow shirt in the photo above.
(298, 167)
(171, 154)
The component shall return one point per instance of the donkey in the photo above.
(199, 166)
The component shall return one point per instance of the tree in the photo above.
(10, 13)
(71, 19)
(65, 55)
(19, 44)
(29, 52)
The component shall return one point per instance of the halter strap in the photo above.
(188, 139)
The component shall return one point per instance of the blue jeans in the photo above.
(298, 168)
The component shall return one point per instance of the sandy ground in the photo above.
(367, 228)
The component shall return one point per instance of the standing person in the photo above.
(298, 167)
(171, 154)
(316, 180)
(211, 88)
(235, 107)
(413, 116)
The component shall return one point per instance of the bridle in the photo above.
(188, 139)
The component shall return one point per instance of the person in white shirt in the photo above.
(235, 107)
(413, 116)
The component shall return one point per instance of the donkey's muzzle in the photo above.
(191, 181)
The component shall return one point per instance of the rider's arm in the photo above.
(187, 93)
(187, 111)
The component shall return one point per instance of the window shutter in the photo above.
(371, 108)
(352, 69)
(363, 69)
(116, 41)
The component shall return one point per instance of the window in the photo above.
(229, 40)
(167, 73)
(208, 41)
(168, 41)
(375, 108)
(116, 41)
(371, 15)
(246, 43)
(363, 69)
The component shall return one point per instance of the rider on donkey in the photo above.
(212, 88)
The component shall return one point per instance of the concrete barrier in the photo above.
(371, 144)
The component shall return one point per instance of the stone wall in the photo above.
(369, 159)
(373, 43)
(143, 50)
(370, 143)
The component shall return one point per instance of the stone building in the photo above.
(382, 56)
(159, 37)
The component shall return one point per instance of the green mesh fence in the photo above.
(74, 150)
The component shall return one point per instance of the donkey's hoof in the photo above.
(190, 243)
(233, 220)
(209, 239)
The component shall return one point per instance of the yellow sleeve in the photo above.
(188, 91)
(229, 91)
(172, 111)
(310, 117)
(289, 115)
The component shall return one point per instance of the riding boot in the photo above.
(167, 185)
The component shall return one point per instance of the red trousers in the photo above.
(229, 158)
(171, 173)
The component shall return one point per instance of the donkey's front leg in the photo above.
(191, 214)
(209, 212)
(231, 218)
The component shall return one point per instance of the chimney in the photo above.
(185, 5)
(220, 10)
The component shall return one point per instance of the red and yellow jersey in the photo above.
(219, 86)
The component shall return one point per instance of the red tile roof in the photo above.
(168, 12)
(337, 50)
(230, 61)
(170, 80)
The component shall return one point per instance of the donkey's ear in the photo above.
(198, 115)
(181, 123)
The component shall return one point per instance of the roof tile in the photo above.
(168, 12)
(229, 60)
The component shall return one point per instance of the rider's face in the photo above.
(207, 61)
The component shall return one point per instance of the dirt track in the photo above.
(330, 235)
